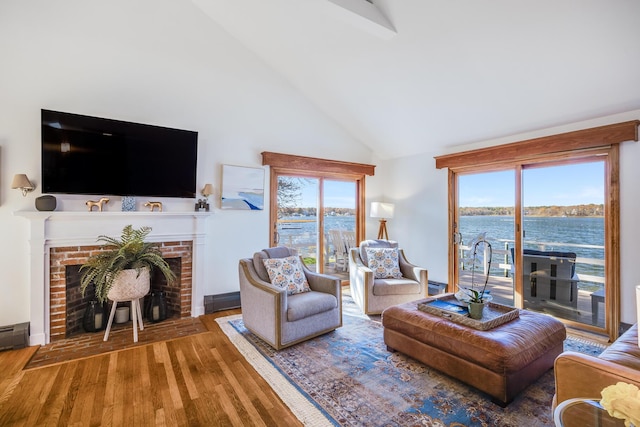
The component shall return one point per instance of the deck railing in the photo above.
(296, 233)
(306, 244)
(501, 257)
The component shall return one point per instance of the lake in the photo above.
(542, 233)
(582, 235)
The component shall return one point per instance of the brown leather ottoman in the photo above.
(500, 362)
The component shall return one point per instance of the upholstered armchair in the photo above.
(276, 311)
(376, 286)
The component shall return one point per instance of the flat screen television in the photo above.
(98, 156)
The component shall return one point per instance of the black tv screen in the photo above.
(97, 156)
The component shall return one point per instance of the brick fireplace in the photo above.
(65, 314)
(61, 238)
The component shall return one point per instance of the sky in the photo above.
(564, 185)
(338, 194)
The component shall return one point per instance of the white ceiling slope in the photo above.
(447, 73)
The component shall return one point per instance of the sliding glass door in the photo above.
(555, 261)
(317, 217)
(486, 206)
(563, 269)
(339, 207)
(297, 225)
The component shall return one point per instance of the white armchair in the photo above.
(278, 318)
(374, 295)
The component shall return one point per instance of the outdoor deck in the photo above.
(501, 289)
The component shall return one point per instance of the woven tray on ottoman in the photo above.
(493, 314)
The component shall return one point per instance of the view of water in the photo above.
(544, 233)
(302, 229)
(541, 233)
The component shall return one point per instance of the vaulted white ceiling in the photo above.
(452, 72)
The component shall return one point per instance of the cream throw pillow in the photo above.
(384, 263)
(287, 273)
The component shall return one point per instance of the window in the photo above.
(528, 260)
(317, 207)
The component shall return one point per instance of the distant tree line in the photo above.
(546, 211)
(290, 211)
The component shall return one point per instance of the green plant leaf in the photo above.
(130, 251)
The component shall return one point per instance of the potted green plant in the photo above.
(476, 298)
(123, 260)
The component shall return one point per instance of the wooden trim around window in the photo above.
(546, 151)
(612, 240)
(453, 231)
(312, 164)
(287, 164)
(565, 142)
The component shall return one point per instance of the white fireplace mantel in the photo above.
(68, 228)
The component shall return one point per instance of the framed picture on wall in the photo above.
(242, 188)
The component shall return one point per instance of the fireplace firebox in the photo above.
(67, 305)
(76, 303)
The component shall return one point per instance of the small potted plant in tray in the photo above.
(474, 297)
(122, 269)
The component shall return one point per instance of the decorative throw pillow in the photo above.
(287, 273)
(384, 263)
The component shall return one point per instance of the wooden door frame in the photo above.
(287, 164)
(559, 149)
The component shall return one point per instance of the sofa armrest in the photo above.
(360, 279)
(584, 376)
(359, 273)
(411, 271)
(323, 282)
(263, 304)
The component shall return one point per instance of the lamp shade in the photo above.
(207, 190)
(382, 210)
(21, 181)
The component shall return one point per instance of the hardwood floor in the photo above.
(191, 381)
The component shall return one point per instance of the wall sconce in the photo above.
(203, 204)
(383, 211)
(21, 182)
(207, 190)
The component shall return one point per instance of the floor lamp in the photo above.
(383, 211)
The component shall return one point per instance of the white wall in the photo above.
(420, 194)
(159, 62)
(629, 227)
(164, 62)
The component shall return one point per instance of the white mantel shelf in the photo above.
(63, 228)
(106, 214)
(52, 229)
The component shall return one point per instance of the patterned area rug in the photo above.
(348, 378)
